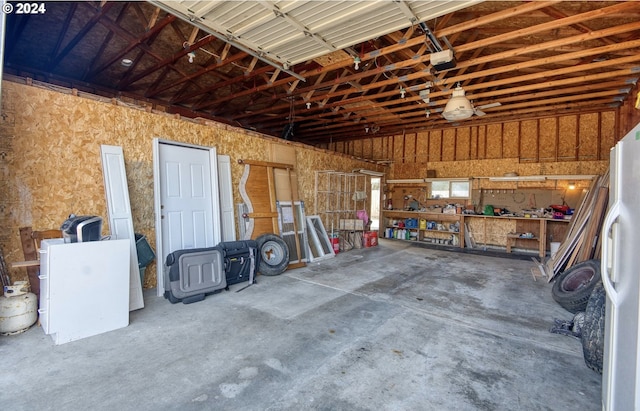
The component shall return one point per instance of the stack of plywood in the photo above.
(583, 240)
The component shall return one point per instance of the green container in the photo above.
(144, 251)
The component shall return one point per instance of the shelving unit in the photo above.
(444, 232)
(339, 195)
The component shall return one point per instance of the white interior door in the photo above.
(120, 219)
(226, 199)
(186, 200)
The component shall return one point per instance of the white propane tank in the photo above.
(18, 308)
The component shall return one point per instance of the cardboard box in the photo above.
(351, 224)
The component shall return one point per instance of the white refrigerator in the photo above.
(621, 278)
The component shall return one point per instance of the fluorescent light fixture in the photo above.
(519, 178)
(369, 172)
(406, 181)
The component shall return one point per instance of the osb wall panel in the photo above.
(482, 142)
(449, 145)
(422, 147)
(493, 142)
(473, 149)
(568, 131)
(51, 164)
(511, 140)
(608, 135)
(548, 133)
(589, 129)
(435, 145)
(529, 140)
(398, 148)
(409, 153)
(463, 144)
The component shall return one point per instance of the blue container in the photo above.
(411, 223)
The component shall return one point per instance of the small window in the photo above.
(440, 189)
(460, 189)
(449, 189)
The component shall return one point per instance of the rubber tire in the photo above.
(274, 254)
(573, 287)
(593, 329)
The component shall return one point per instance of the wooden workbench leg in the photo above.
(543, 239)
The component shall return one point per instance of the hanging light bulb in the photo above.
(428, 112)
(191, 55)
(356, 62)
(402, 92)
(308, 105)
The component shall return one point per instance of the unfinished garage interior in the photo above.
(433, 201)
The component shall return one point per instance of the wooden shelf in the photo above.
(423, 234)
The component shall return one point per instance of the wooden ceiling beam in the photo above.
(167, 61)
(485, 42)
(103, 46)
(497, 17)
(353, 132)
(133, 41)
(80, 35)
(581, 27)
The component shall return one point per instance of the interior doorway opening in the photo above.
(375, 203)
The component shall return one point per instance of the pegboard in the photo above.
(516, 200)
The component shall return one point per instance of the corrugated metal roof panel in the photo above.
(292, 32)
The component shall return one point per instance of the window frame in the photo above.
(450, 182)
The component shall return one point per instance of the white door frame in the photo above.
(215, 206)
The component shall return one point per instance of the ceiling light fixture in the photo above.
(356, 62)
(458, 107)
(402, 92)
(126, 62)
(191, 55)
(308, 105)
(572, 185)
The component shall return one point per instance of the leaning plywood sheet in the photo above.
(583, 233)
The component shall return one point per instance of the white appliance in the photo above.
(84, 288)
(621, 278)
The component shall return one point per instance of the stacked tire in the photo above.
(592, 335)
(573, 287)
(579, 289)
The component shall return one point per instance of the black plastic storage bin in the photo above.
(145, 255)
(144, 251)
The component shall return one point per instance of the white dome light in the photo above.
(458, 107)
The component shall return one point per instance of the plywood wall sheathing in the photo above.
(568, 130)
(449, 144)
(494, 141)
(547, 139)
(510, 139)
(589, 130)
(51, 162)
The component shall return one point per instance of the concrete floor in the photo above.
(395, 327)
